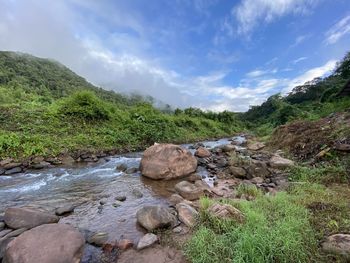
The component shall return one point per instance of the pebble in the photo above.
(120, 198)
(147, 241)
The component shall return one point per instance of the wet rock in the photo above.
(175, 199)
(188, 190)
(117, 203)
(237, 171)
(228, 148)
(255, 146)
(103, 201)
(66, 209)
(147, 241)
(197, 145)
(131, 170)
(3, 244)
(122, 167)
(338, 244)
(98, 239)
(5, 232)
(40, 165)
(202, 152)
(167, 161)
(53, 160)
(17, 217)
(15, 233)
(187, 214)
(67, 160)
(2, 171)
(2, 226)
(155, 217)
(50, 243)
(15, 170)
(279, 162)
(125, 244)
(257, 168)
(10, 166)
(226, 211)
(137, 193)
(120, 198)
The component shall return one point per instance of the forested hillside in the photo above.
(312, 100)
(46, 109)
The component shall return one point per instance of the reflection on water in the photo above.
(85, 185)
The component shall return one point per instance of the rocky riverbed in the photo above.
(113, 207)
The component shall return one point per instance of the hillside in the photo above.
(46, 109)
(311, 101)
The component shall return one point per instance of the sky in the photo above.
(212, 54)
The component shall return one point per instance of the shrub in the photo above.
(85, 105)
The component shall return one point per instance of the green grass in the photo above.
(248, 190)
(276, 229)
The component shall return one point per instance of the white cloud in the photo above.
(337, 31)
(299, 40)
(310, 75)
(296, 61)
(258, 73)
(251, 13)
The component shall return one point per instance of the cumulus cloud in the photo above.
(337, 31)
(250, 13)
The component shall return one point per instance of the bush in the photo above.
(85, 105)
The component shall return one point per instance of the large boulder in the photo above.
(279, 162)
(167, 161)
(338, 244)
(49, 243)
(155, 217)
(20, 217)
(188, 190)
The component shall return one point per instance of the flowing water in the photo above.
(85, 185)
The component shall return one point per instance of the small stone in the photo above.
(177, 230)
(15, 233)
(202, 152)
(238, 171)
(98, 239)
(280, 163)
(103, 201)
(125, 244)
(65, 209)
(137, 193)
(257, 180)
(2, 226)
(187, 214)
(6, 161)
(117, 204)
(120, 198)
(41, 165)
(147, 241)
(188, 191)
(122, 167)
(131, 170)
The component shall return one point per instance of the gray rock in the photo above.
(155, 217)
(49, 243)
(16, 217)
(41, 165)
(120, 198)
(3, 244)
(137, 193)
(237, 171)
(15, 233)
(188, 190)
(147, 241)
(122, 167)
(5, 232)
(15, 170)
(98, 239)
(2, 226)
(65, 209)
(131, 170)
(10, 166)
(280, 163)
(338, 244)
(2, 171)
(175, 199)
(103, 201)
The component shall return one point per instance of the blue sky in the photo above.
(213, 54)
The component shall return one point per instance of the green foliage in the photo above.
(276, 229)
(85, 105)
(248, 190)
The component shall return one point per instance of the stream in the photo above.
(85, 185)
